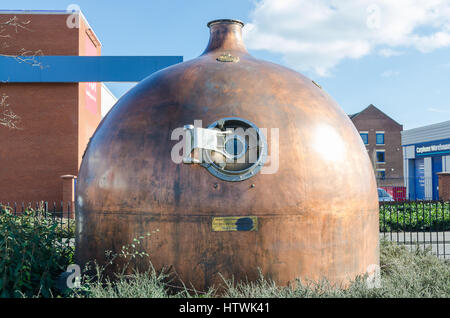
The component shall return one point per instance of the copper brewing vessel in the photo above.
(317, 215)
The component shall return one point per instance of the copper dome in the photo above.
(316, 216)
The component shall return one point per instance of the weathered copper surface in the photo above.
(317, 216)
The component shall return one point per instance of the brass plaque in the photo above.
(228, 58)
(235, 223)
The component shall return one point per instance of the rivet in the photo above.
(253, 185)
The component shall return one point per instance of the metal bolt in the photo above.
(253, 185)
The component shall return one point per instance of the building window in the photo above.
(365, 137)
(380, 138)
(380, 156)
(381, 174)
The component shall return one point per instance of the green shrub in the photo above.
(32, 255)
(415, 216)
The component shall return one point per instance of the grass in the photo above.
(403, 274)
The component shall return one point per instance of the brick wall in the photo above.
(55, 125)
(33, 158)
(88, 120)
(372, 120)
(444, 186)
(45, 32)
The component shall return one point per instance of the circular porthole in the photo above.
(235, 146)
(241, 153)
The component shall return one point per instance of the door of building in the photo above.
(437, 167)
(419, 176)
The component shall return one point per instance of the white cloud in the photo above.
(390, 73)
(439, 110)
(317, 35)
(389, 52)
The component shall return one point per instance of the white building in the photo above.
(426, 152)
(108, 100)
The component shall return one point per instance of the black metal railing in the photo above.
(61, 215)
(413, 223)
(417, 223)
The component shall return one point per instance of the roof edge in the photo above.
(426, 127)
(357, 114)
(2, 11)
(62, 12)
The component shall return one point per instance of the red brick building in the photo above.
(56, 119)
(382, 137)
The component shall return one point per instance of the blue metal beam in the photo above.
(73, 69)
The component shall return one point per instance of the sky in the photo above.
(392, 54)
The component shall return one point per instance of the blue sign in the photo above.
(74, 69)
(433, 148)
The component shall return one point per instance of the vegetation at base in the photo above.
(403, 274)
(32, 258)
(415, 216)
(32, 255)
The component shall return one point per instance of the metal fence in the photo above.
(61, 210)
(425, 224)
(413, 223)
(61, 214)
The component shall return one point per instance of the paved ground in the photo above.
(439, 241)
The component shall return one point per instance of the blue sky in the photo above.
(358, 51)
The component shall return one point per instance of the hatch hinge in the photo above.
(198, 139)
